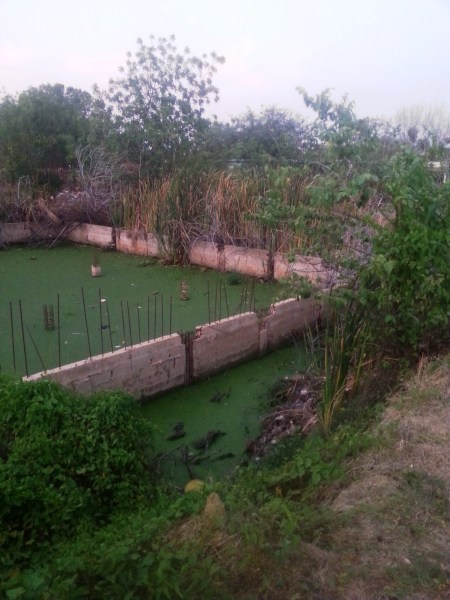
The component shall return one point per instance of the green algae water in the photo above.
(244, 390)
(134, 300)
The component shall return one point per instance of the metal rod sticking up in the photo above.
(44, 368)
(154, 316)
(101, 318)
(23, 339)
(209, 304)
(12, 335)
(226, 299)
(109, 328)
(123, 325)
(129, 324)
(58, 311)
(139, 322)
(148, 318)
(86, 323)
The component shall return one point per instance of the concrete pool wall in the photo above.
(247, 261)
(150, 368)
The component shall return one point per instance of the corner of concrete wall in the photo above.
(289, 318)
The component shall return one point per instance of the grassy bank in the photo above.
(360, 514)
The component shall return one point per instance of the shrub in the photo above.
(65, 461)
(406, 286)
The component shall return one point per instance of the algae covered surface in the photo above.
(231, 403)
(134, 300)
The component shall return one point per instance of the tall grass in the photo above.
(214, 205)
(341, 362)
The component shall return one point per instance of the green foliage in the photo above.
(131, 557)
(67, 462)
(406, 286)
(40, 130)
(273, 137)
(158, 104)
(341, 360)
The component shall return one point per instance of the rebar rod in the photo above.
(209, 304)
(148, 318)
(101, 318)
(129, 324)
(58, 310)
(226, 299)
(86, 322)
(12, 336)
(139, 322)
(44, 368)
(109, 327)
(154, 316)
(123, 325)
(23, 338)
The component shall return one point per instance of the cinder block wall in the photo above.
(225, 343)
(150, 368)
(143, 370)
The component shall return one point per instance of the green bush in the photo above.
(67, 461)
(406, 286)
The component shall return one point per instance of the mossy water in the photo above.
(232, 402)
(137, 299)
(134, 300)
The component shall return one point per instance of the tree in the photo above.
(406, 285)
(274, 136)
(41, 128)
(159, 103)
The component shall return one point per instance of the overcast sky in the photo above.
(385, 54)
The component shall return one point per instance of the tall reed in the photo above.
(212, 205)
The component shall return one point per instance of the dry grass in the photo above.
(391, 536)
(212, 205)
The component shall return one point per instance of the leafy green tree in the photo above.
(41, 128)
(344, 139)
(406, 285)
(159, 103)
(272, 137)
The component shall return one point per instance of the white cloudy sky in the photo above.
(385, 54)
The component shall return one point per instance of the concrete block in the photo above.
(225, 343)
(137, 242)
(96, 235)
